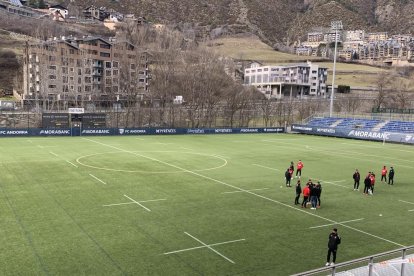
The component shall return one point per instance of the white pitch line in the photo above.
(97, 179)
(51, 152)
(338, 181)
(124, 203)
(252, 193)
(319, 226)
(152, 200)
(117, 204)
(242, 191)
(186, 148)
(140, 139)
(406, 201)
(71, 163)
(265, 167)
(209, 247)
(411, 210)
(40, 147)
(198, 247)
(330, 182)
(138, 203)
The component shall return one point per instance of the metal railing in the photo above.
(401, 262)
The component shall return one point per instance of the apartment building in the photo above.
(355, 35)
(87, 69)
(381, 36)
(288, 81)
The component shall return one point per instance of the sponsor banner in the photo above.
(98, 131)
(169, 131)
(133, 131)
(76, 110)
(52, 132)
(14, 132)
(356, 134)
(34, 132)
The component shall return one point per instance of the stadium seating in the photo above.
(399, 126)
(363, 124)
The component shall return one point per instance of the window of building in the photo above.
(132, 66)
(253, 79)
(115, 72)
(115, 80)
(247, 80)
(65, 79)
(63, 51)
(72, 51)
(64, 70)
(259, 78)
(102, 54)
(108, 73)
(52, 77)
(71, 69)
(88, 71)
(108, 89)
(88, 79)
(52, 86)
(108, 81)
(105, 46)
(52, 67)
(265, 78)
(79, 80)
(115, 64)
(108, 64)
(88, 88)
(79, 89)
(71, 79)
(52, 58)
(115, 89)
(266, 69)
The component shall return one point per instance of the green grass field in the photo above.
(193, 205)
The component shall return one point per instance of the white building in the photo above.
(287, 81)
(356, 35)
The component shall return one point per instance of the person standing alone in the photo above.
(356, 176)
(384, 174)
(391, 176)
(333, 241)
(299, 167)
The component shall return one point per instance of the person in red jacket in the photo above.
(372, 178)
(299, 167)
(306, 193)
(384, 174)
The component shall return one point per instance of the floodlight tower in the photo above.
(337, 26)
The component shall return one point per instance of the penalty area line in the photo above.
(97, 179)
(269, 168)
(52, 153)
(71, 163)
(319, 226)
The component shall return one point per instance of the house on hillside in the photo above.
(16, 7)
(59, 9)
(297, 80)
(95, 13)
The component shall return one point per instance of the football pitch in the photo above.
(194, 205)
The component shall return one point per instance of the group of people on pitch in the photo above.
(369, 181)
(311, 192)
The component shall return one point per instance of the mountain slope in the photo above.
(275, 21)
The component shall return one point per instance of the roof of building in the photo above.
(58, 6)
(15, 3)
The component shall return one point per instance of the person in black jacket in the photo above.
(333, 241)
(298, 192)
(288, 176)
(318, 191)
(356, 176)
(367, 183)
(391, 176)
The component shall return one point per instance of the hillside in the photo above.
(274, 21)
